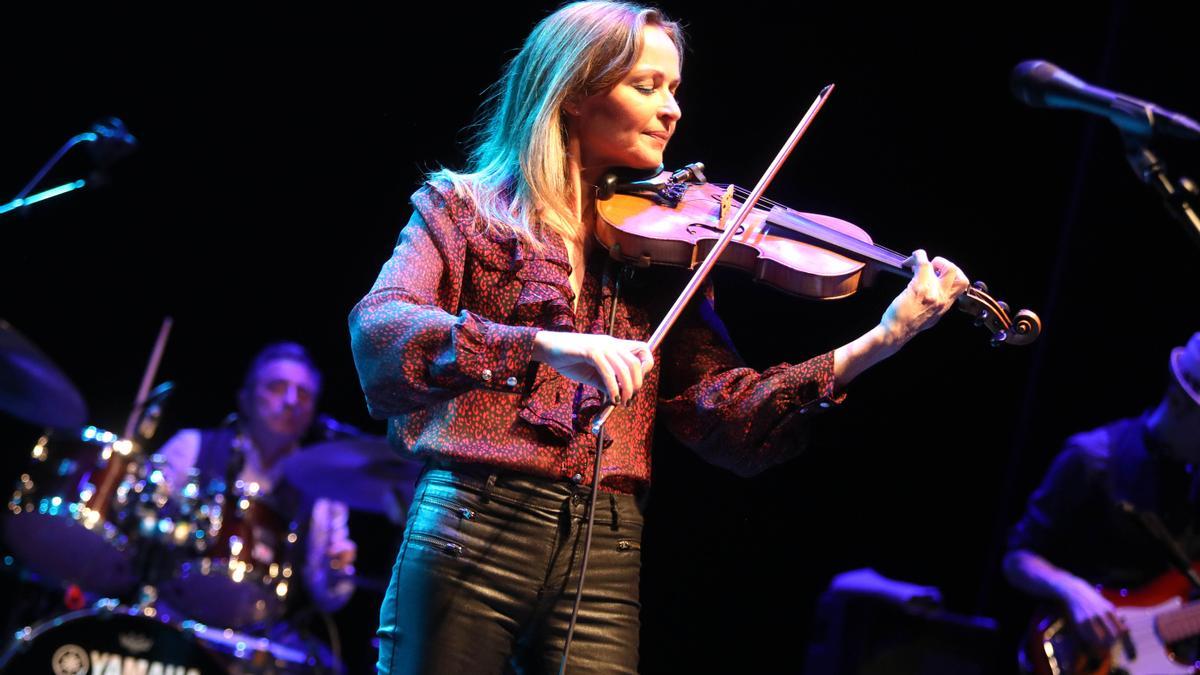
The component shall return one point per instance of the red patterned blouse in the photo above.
(443, 345)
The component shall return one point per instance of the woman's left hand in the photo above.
(932, 292)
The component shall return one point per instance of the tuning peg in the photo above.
(982, 317)
(1003, 306)
(979, 286)
(1189, 185)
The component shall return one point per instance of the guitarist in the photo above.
(1075, 534)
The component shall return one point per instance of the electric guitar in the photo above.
(1157, 616)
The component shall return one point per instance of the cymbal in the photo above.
(365, 473)
(32, 388)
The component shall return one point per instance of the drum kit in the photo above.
(188, 580)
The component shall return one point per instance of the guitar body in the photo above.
(1052, 648)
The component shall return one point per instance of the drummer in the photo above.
(276, 406)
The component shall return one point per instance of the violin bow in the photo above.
(714, 254)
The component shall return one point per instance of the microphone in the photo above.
(110, 141)
(152, 410)
(1042, 84)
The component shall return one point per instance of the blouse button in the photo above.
(486, 375)
(512, 382)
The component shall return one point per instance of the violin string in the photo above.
(840, 235)
(742, 192)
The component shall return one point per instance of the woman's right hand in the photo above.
(617, 367)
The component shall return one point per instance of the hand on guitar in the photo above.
(1093, 617)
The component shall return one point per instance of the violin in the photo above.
(675, 218)
(679, 219)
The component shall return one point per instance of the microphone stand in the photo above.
(110, 141)
(42, 196)
(655, 340)
(23, 197)
(1178, 194)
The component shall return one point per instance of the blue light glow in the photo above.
(41, 196)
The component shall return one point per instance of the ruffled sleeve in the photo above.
(734, 416)
(413, 343)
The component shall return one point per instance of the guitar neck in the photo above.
(1179, 624)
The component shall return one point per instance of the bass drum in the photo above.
(106, 640)
(122, 640)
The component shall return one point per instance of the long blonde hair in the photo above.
(517, 167)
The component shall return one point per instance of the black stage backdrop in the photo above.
(279, 147)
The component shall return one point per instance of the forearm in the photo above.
(413, 343)
(1039, 577)
(853, 358)
(410, 355)
(747, 421)
(930, 294)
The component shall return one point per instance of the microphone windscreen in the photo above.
(1029, 81)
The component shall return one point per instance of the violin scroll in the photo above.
(1017, 329)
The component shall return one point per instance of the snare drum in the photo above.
(238, 570)
(68, 518)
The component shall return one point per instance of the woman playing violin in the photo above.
(485, 343)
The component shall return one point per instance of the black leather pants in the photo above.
(486, 576)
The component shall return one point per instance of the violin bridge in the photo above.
(726, 204)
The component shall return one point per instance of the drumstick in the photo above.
(160, 345)
(121, 449)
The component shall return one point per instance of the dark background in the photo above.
(279, 147)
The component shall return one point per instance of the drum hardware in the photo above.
(364, 473)
(32, 388)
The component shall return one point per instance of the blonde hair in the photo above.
(516, 171)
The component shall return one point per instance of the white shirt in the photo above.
(328, 532)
